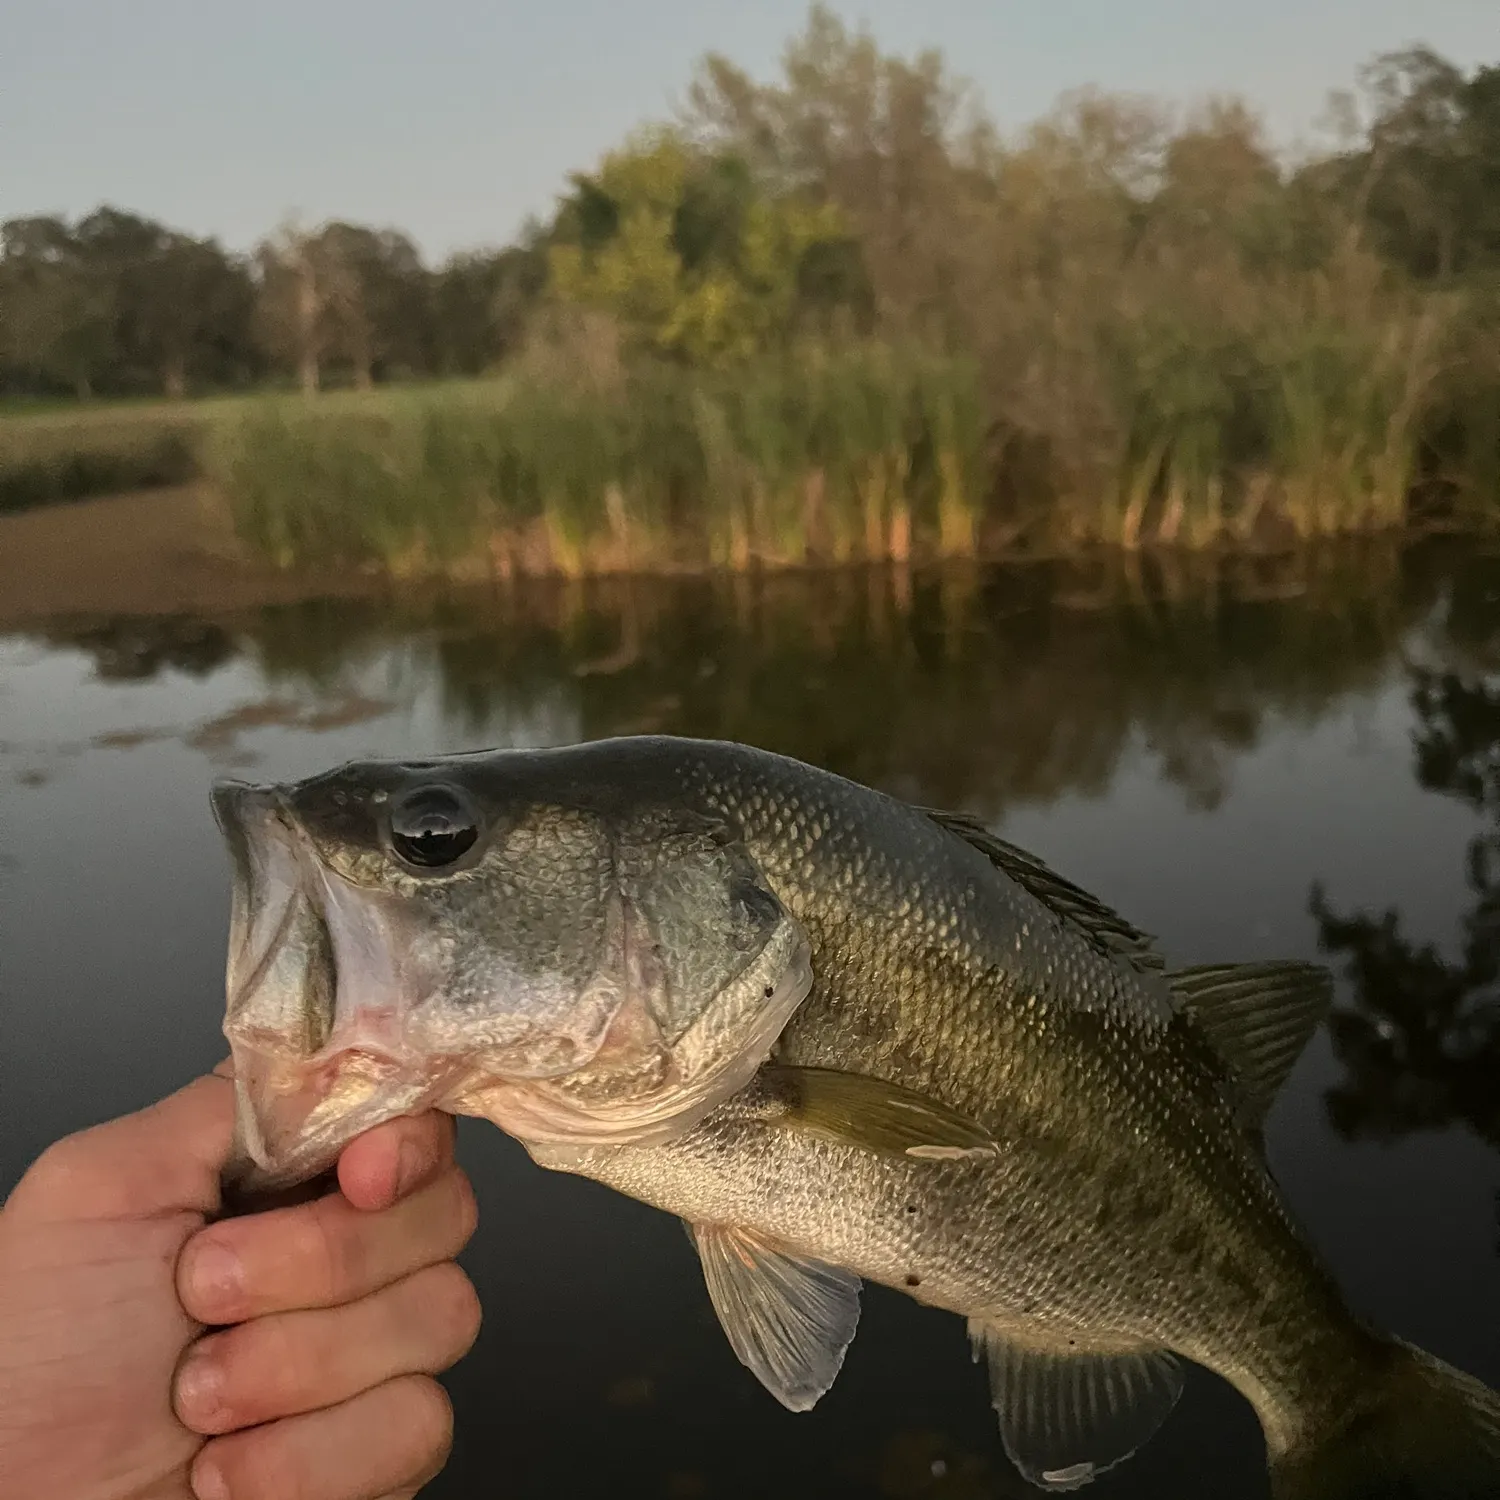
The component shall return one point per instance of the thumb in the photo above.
(165, 1158)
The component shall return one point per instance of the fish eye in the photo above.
(433, 826)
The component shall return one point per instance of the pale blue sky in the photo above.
(453, 119)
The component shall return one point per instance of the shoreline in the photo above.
(172, 551)
(145, 552)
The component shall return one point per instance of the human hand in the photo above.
(341, 1311)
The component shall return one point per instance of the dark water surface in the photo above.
(1247, 766)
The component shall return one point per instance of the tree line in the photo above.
(860, 192)
(841, 307)
(117, 304)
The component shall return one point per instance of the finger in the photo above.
(164, 1158)
(395, 1159)
(391, 1439)
(289, 1363)
(320, 1254)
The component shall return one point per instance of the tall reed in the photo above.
(1303, 410)
(857, 454)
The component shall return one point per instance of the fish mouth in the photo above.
(327, 1011)
(320, 983)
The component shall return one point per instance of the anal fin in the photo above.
(789, 1319)
(1064, 1417)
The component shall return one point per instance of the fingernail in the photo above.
(208, 1481)
(217, 1277)
(200, 1387)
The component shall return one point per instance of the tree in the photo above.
(56, 311)
(347, 294)
(896, 146)
(120, 303)
(292, 304)
(376, 291)
(480, 303)
(194, 314)
(1425, 176)
(180, 305)
(687, 250)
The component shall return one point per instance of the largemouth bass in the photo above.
(843, 1038)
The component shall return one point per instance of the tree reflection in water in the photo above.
(984, 689)
(1421, 1044)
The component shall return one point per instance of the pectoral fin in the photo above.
(790, 1320)
(1064, 1417)
(873, 1114)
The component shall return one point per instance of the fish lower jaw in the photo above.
(296, 1111)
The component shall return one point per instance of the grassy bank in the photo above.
(872, 453)
(1175, 435)
(45, 459)
(62, 449)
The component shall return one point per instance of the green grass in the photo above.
(1309, 418)
(870, 453)
(58, 450)
(44, 462)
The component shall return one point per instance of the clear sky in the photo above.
(454, 119)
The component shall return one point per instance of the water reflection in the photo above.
(971, 688)
(944, 681)
(1421, 1044)
(1195, 743)
(139, 649)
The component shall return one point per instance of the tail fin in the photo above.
(1433, 1433)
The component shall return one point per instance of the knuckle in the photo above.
(466, 1207)
(271, 1369)
(456, 1311)
(59, 1165)
(430, 1422)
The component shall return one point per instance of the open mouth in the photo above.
(347, 1006)
(320, 981)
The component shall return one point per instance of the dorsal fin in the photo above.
(1258, 1017)
(1104, 927)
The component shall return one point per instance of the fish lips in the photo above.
(320, 983)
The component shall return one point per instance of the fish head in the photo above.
(581, 967)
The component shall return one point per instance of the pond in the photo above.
(1285, 761)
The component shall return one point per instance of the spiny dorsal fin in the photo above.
(1104, 927)
(789, 1319)
(1064, 1417)
(872, 1114)
(1258, 1017)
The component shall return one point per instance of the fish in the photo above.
(843, 1038)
